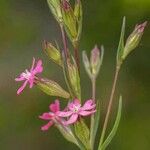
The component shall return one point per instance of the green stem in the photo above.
(92, 138)
(109, 108)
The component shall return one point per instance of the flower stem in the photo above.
(93, 80)
(109, 107)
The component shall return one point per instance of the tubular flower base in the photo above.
(29, 76)
(75, 111)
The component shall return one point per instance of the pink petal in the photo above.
(55, 106)
(19, 79)
(64, 114)
(72, 119)
(31, 82)
(75, 103)
(46, 116)
(47, 126)
(88, 105)
(33, 63)
(86, 113)
(38, 68)
(22, 87)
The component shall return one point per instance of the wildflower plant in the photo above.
(70, 121)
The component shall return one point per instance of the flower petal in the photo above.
(64, 114)
(75, 103)
(33, 63)
(89, 104)
(31, 81)
(19, 78)
(22, 87)
(86, 113)
(47, 126)
(54, 107)
(38, 68)
(46, 116)
(72, 119)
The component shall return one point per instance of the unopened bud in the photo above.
(74, 78)
(79, 16)
(69, 20)
(93, 66)
(52, 88)
(95, 59)
(134, 39)
(52, 53)
(55, 7)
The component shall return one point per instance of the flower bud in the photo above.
(93, 66)
(55, 8)
(69, 20)
(134, 39)
(52, 88)
(52, 53)
(79, 15)
(74, 78)
(95, 59)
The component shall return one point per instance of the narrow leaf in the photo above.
(96, 123)
(115, 127)
(121, 43)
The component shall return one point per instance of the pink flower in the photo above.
(29, 76)
(75, 110)
(51, 116)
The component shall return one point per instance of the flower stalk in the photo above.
(109, 108)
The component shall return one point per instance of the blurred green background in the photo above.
(24, 24)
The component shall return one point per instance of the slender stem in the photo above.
(76, 54)
(92, 117)
(64, 40)
(109, 107)
(94, 89)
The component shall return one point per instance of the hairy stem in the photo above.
(109, 107)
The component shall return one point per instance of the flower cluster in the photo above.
(74, 111)
(70, 18)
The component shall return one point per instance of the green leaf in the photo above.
(82, 132)
(115, 127)
(96, 123)
(52, 88)
(121, 44)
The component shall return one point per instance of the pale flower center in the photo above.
(27, 74)
(76, 108)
